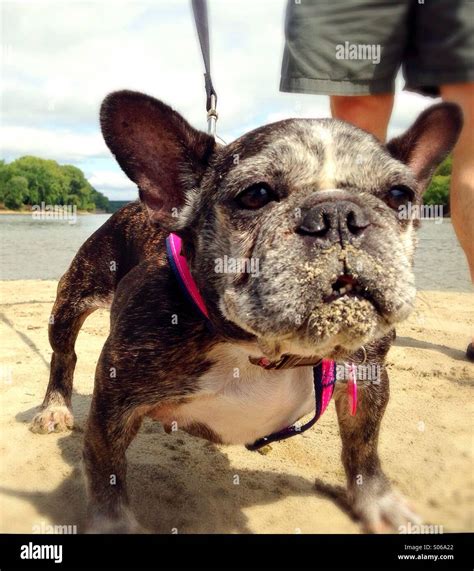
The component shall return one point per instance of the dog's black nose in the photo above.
(333, 221)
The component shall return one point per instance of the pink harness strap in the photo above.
(323, 372)
(174, 244)
(352, 389)
(327, 384)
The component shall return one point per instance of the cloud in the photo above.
(114, 184)
(70, 55)
(61, 58)
(111, 179)
(63, 145)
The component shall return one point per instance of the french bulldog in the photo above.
(316, 204)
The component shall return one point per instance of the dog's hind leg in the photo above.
(69, 313)
(87, 285)
(56, 413)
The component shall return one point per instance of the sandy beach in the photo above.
(183, 483)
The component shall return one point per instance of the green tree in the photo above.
(446, 167)
(15, 191)
(49, 182)
(46, 182)
(80, 190)
(438, 190)
(100, 200)
(4, 176)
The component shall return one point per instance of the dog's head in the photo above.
(295, 232)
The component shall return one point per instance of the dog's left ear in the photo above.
(428, 141)
(157, 149)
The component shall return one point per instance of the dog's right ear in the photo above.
(157, 149)
(428, 141)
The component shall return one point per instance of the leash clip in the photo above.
(212, 116)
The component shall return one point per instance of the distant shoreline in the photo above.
(28, 212)
(86, 213)
(35, 248)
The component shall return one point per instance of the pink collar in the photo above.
(180, 265)
(324, 374)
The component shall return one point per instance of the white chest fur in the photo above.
(241, 402)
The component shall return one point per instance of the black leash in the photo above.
(202, 27)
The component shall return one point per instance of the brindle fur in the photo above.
(157, 352)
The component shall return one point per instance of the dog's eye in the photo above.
(399, 195)
(256, 196)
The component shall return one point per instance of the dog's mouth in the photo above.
(346, 285)
(349, 287)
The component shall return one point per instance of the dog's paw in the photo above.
(385, 513)
(53, 418)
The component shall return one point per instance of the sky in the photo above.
(60, 59)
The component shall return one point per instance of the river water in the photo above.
(43, 249)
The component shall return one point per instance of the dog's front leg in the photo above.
(110, 429)
(370, 494)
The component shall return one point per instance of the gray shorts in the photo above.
(356, 47)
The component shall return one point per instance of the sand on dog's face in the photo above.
(311, 172)
(184, 483)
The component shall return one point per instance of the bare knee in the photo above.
(463, 95)
(462, 178)
(369, 112)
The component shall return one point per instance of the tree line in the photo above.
(438, 191)
(30, 180)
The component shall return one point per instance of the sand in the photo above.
(181, 483)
